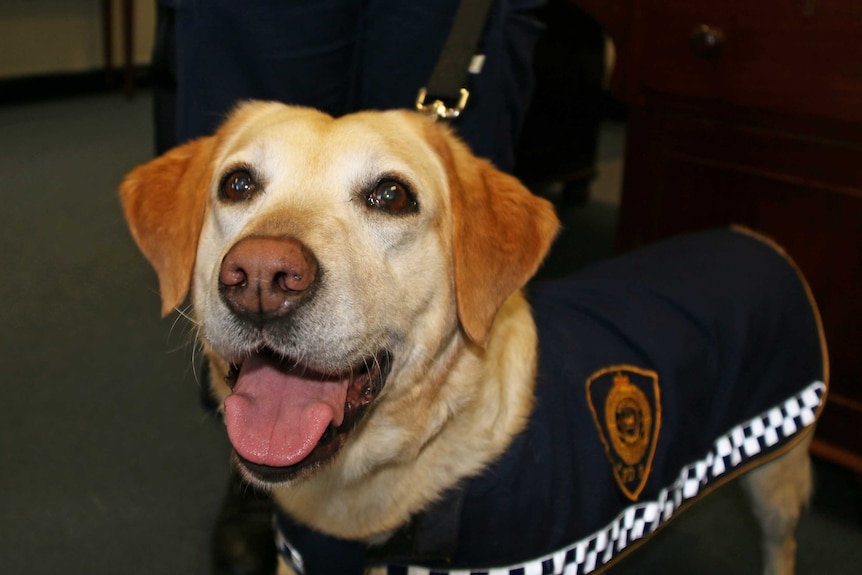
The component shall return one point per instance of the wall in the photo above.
(40, 37)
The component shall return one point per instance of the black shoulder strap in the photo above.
(446, 92)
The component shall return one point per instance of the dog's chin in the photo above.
(359, 385)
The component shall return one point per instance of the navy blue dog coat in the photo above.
(662, 374)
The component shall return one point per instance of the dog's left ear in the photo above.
(502, 232)
(164, 202)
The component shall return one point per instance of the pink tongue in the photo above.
(276, 418)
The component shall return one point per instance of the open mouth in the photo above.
(286, 419)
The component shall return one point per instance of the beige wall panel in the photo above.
(47, 36)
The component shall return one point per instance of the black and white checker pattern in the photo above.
(729, 451)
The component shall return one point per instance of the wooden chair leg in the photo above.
(107, 39)
(128, 47)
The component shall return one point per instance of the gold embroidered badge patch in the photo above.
(626, 409)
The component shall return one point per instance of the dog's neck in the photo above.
(485, 397)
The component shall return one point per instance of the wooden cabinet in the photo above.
(751, 112)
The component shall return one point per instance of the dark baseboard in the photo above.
(39, 88)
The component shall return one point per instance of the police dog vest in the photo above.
(662, 374)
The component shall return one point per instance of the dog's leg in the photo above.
(778, 491)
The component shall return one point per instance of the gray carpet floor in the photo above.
(107, 463)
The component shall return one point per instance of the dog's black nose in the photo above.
(265, 277)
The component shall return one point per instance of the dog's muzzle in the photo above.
(286, 416)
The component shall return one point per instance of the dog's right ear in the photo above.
(164, 202)
(501, 233)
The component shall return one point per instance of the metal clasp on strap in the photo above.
(439, 108)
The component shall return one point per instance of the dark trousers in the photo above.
(341, 56)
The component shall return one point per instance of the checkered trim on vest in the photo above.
(731, 450)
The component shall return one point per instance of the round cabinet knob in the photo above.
(707, 42)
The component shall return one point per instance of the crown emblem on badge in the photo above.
(624, 401)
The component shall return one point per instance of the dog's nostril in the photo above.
(232, 276)
(290, 281)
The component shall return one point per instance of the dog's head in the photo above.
(331, 263)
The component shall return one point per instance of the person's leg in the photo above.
(305, 53)
(294, 52)
(399, 46)
(501, 93)
(164, 82)
(401, 42)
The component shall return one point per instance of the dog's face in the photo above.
(337, 268)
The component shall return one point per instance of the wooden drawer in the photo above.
(791, 56)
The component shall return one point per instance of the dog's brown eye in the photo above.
(238, 186)
(391, 196)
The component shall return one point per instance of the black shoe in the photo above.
(243, 541)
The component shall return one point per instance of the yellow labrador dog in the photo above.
(356, 285)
